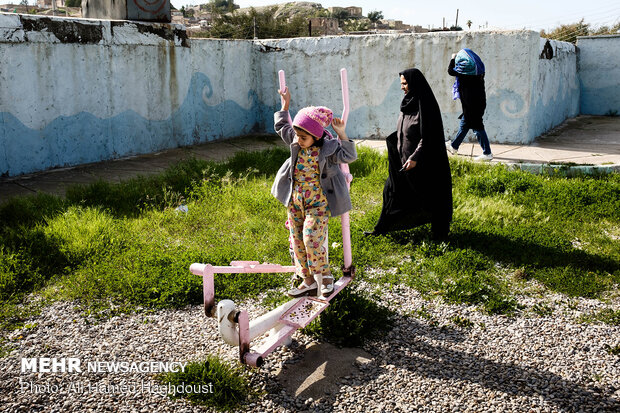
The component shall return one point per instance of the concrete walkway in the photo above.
(585, 142)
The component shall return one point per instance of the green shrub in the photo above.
(214, 383)
(350, 319)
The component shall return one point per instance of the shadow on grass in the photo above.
(560, 267)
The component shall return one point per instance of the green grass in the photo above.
(212, 383)
(125, 245)
(606, 316)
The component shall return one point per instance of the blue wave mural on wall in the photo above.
(84, 138)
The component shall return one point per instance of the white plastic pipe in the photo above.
(267, 321)
(226, 310)
(227, 328)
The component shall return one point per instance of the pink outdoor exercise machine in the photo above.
(281, 322)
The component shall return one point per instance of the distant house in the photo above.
(177, 17)
(47, 4)
(324, 26)
(354, 11)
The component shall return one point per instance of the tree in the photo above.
(73, 3)
(469, 23)
(354, 25)
(374, 16)
(568, 32)
(615, 29)
(241, 25)
(340, 15)
(222, 6)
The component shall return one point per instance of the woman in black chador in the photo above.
(418, 189)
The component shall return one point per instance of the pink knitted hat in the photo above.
(314, 120)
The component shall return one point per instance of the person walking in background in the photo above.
(313, 188)
(418, 189)
(468, 69)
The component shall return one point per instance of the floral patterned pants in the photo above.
(308, 218)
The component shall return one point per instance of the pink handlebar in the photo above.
(344, 219)
(345, 94)
(282, 80)
(282, 83)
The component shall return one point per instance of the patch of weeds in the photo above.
(100, 310)
(350, 318)
(274, 298)
(422, 313)
(499, 304)
(615, 350)
(459, 276)
(573, 281)
(461, 321)
(521, 274)
(432, 249)
(606, 316)
(5, 347)
(597, 377)
(212, 383)
(13, 315)
(542, 309)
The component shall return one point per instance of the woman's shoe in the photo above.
(303, 290)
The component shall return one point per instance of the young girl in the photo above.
(312, 187)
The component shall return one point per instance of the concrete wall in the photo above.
(74, 91)
(95, 90)
(521, 87)
(555, 91)
(599, 74)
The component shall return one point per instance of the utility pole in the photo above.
(443, 24)
(456, 24)
(255, 28)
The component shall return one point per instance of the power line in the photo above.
(582, 31)
(591, 14)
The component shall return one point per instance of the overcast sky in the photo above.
(529, 14)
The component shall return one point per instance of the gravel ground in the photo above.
(426, 362)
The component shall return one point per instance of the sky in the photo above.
(492, 14)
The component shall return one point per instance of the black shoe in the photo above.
(440, 231)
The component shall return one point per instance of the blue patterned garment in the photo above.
(468, 63)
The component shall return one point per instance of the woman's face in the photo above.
(403, 84)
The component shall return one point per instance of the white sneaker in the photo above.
(484, 158)
(450, 148)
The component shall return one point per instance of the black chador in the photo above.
(422, 194)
